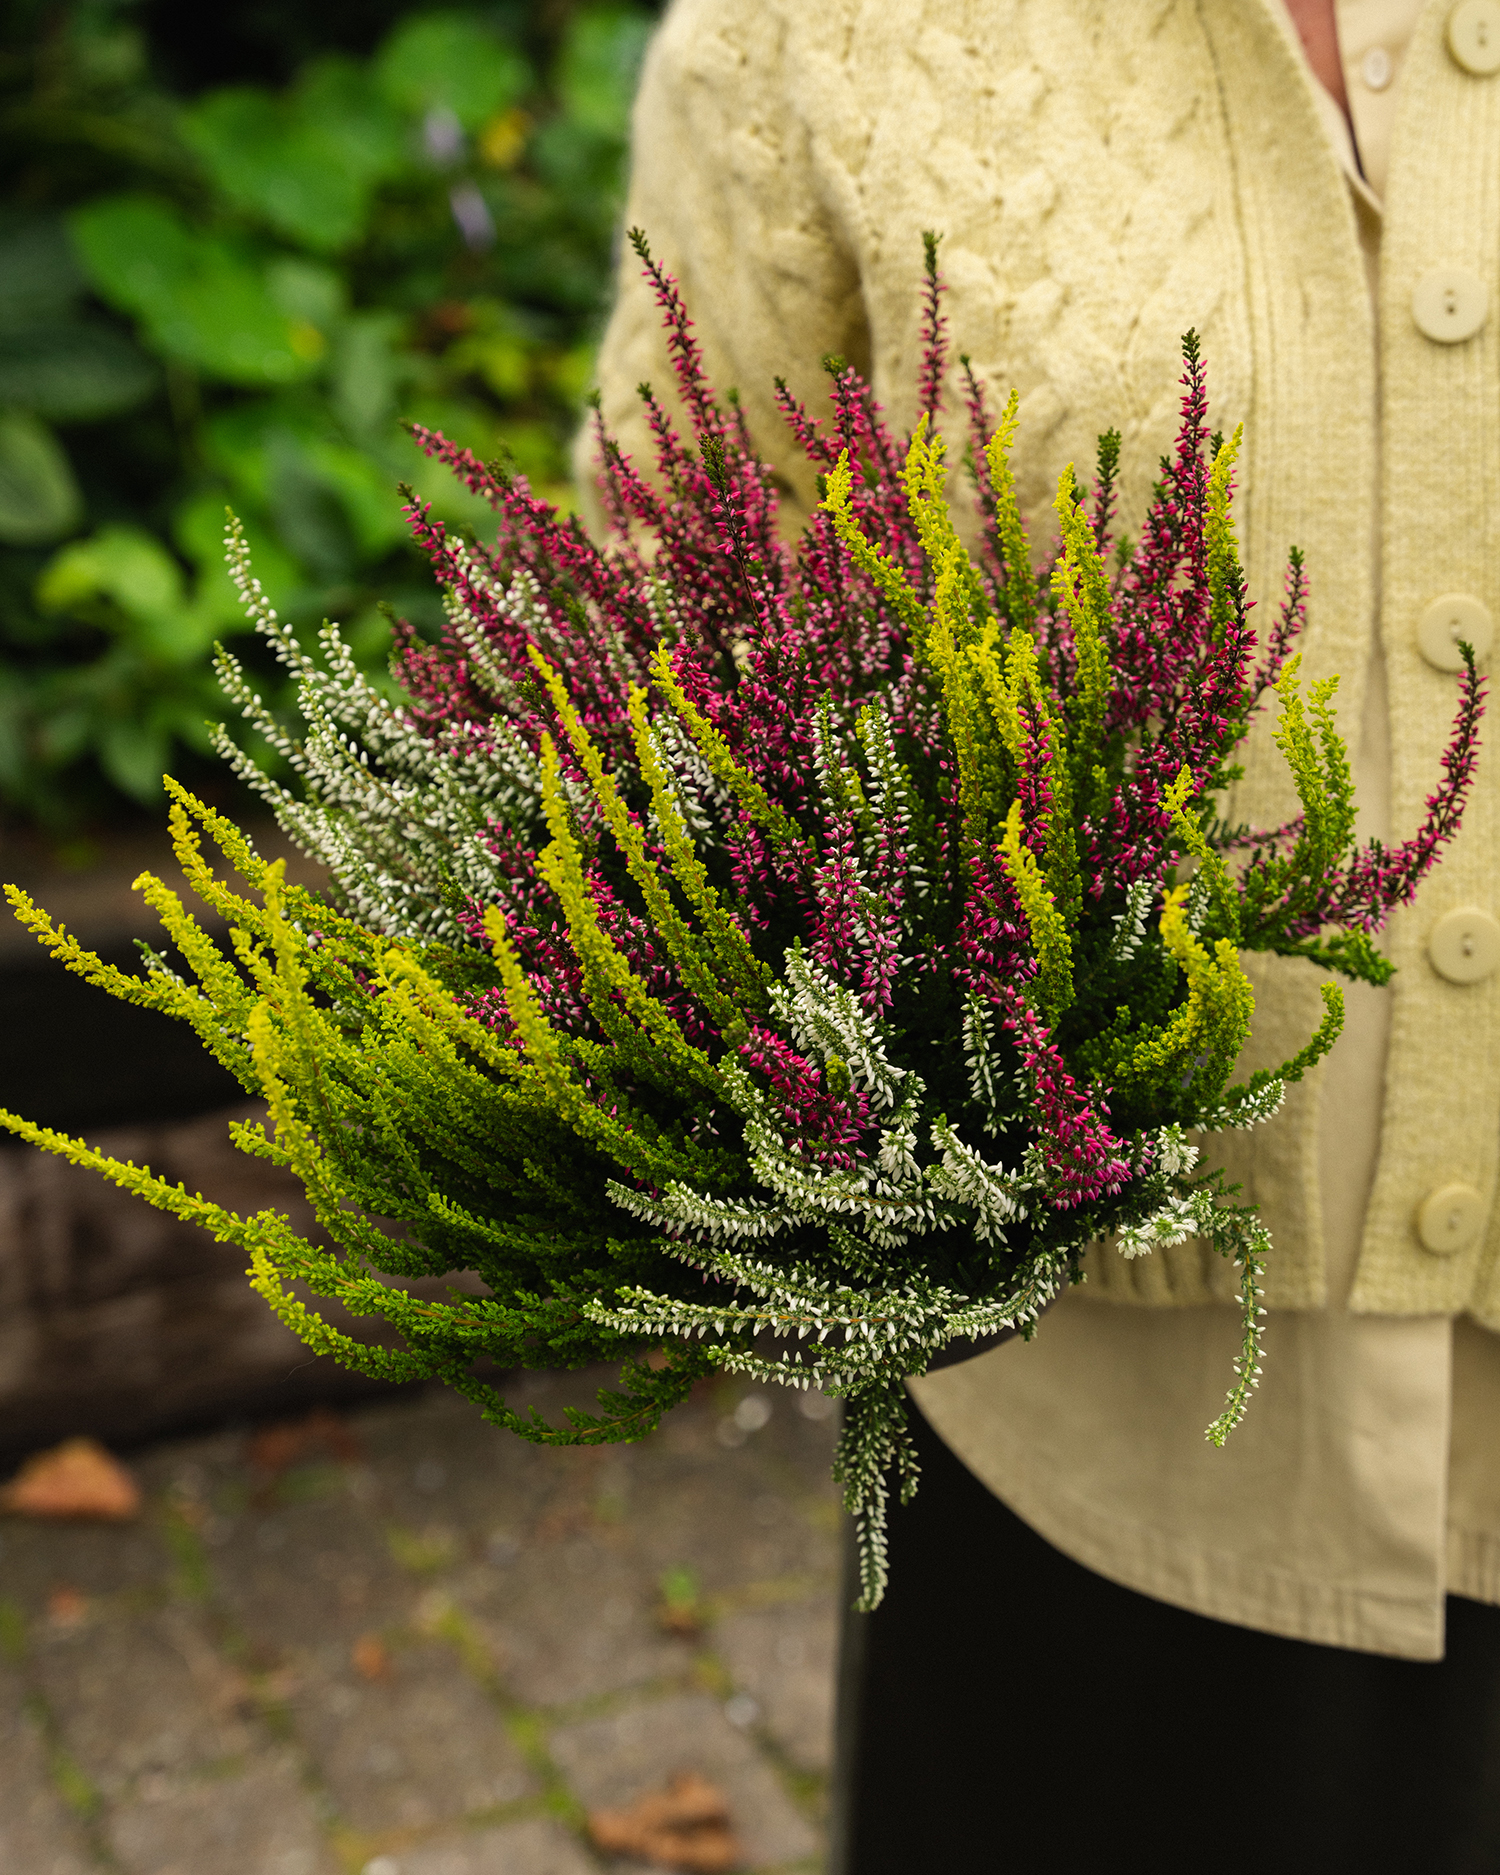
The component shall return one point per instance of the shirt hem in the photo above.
(1474, 1565)
(1224, 1587)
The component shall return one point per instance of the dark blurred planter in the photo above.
(116, 1319)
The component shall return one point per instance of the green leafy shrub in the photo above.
(239, 296)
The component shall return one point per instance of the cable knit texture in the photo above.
(1104, 177)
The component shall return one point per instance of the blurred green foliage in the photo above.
(234, 293)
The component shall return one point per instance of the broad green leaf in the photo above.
(198, 529)
(234, 445)
(498, 347)
(342, 98)
(73, 371)
(448, 62)
(123, 579)
(200, 298)
(135, 755)
(39, 499)
(123, 563)
(308, 509)
(600, 66)
(39, 274)
(308, 291)
(307, 162)
(366, 371)
(367, 490)
(333, 504)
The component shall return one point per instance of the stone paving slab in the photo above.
(420, 1745)
(427, 1652)
(783, 1659)
(259, 1820)
(38, 1834)
(145, 1696)
(535, 1848)
(609, 1761)
(526, 1614)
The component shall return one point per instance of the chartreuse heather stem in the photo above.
(983, 782)
(1221, 551)
(625, 1134)
(686, 948)
(878, 567)
(1049, 930)
(1212, 874)
(1320, 770)
(647, 1033)
(778, 826)
(1020, 581)
(1082, 586)
(741, 967)
(925, 477)
(1209, 1030)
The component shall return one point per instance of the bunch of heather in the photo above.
(767, 957)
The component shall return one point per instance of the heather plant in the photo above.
(777, 958)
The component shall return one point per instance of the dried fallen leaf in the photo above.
(274, 1449)
(66, 1608)
(685, 1826)
(370, 1657)
(75, 1479)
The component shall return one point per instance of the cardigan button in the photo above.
(1449, 304)
(1376, 68)
(1474, 36)
(1449, 1219)
(1454, 616)
(1464, 945)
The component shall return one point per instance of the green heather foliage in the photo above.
(778, 960)
(238, 292)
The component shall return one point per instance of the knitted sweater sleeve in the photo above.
(725, 186)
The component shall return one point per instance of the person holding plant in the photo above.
(1099, 1629)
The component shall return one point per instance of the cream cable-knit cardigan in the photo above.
(1106, 175)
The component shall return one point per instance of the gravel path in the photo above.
(398, 1642)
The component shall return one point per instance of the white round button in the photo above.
(1455, 616)
(1474, 36)
(1464, 945)
(1376, 69)
(1449, 304)
(1449, 1219)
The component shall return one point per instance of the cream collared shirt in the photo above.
(1364, 1485)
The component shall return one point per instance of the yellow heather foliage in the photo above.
(638, 1020)
(1020, 581)
(1221, 550)
(683, 944)
(982, 782)
(736, 959)
(626, 1143)
(1049, 931)
(779, 826)
(1082, 585)
(1215, 1020)
(877, 566)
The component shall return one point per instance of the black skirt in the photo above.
(1006, 1709)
